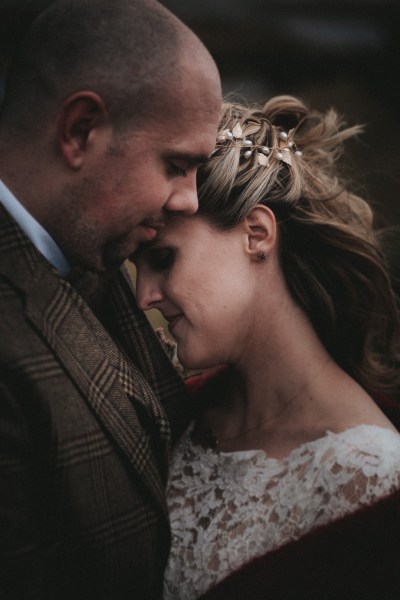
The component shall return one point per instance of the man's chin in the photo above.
(114, 255)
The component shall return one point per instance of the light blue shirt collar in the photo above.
(34, 231)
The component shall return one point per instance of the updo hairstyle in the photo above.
(329, 251)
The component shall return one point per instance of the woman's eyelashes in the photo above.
(159, 259)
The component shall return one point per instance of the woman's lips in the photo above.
(172, 321)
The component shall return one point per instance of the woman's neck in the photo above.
(281, 367)
(269, 402)
(286, 390)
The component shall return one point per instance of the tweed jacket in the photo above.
(84, 438)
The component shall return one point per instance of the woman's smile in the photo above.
(173, 321)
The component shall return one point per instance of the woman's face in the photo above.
(199, 277)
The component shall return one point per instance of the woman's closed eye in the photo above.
(159, 259)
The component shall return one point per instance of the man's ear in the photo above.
(260, 226)
(81, 115)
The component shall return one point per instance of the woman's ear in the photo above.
(260, 226)
(80, 117)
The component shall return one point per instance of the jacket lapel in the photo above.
(68, 325)
(140, 343)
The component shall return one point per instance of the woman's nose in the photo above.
(148, 293)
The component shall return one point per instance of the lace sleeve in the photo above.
(359, 468)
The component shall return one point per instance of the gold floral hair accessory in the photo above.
(284, 151)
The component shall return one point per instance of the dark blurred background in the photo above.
(341, 53)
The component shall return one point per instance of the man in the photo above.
(108, 111)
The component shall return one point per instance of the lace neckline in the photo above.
(263, 454)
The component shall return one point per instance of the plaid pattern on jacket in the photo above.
(84, 438)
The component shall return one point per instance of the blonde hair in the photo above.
(329, 251)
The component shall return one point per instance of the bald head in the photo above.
(129, 52)
(110, 107)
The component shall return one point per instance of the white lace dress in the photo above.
(227, 508)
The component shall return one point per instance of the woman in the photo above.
(280, 277)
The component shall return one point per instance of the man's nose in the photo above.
(184, 199)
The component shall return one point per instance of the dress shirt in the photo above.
(34, 231)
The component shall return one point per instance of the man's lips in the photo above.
(151, 226)
(149, 231)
